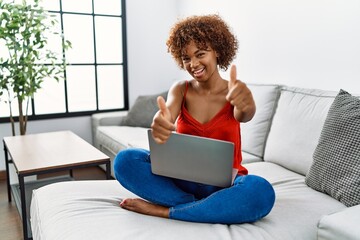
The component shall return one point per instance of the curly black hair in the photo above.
(204, 31)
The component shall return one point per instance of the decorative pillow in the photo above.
(336, 166)
(142, 112)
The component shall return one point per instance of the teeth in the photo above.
(198, 71)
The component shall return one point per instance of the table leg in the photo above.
(7, 172)
(23, 205)
(108, 170)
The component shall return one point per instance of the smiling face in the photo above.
(203, 30)
(201, 63)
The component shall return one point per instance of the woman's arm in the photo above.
(164, 120)
(241, 98)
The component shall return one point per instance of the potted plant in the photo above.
(24, 31)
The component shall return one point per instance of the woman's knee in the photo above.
(119, 160)
(126, 160)
(265, 197)
(260, 195)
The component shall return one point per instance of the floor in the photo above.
(10, 222)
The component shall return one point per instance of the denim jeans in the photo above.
(249, 199)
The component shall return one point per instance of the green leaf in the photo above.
(23, 29)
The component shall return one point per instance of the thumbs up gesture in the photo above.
(162, 124)
(239, 95)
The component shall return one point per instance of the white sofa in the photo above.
(278, 144)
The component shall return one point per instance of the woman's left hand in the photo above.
(240, 97)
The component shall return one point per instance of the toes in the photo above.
(127, 203)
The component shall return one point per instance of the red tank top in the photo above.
(222, 126)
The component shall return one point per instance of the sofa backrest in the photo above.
(296, 127)
(255, 132)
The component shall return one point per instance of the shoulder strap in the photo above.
(186, 88)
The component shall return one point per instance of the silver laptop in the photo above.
(194, 158)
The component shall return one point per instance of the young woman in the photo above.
(207, 106)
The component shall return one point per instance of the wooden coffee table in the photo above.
(36, 154)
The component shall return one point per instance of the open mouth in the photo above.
(199, 72)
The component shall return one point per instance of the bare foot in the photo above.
(144, 207)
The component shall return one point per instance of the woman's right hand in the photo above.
(162, 124)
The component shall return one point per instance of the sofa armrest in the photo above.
(340, 225)
(106, 119)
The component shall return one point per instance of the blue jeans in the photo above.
(249, 199)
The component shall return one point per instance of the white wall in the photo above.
(308, 43)
(151, 68)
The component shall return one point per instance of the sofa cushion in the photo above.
(116, 138)
(142, 112)
(255, 132)
(250, 158)
(112, 139)
(90, 210)
(336, 167)
(296, 127)
(298, 208)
